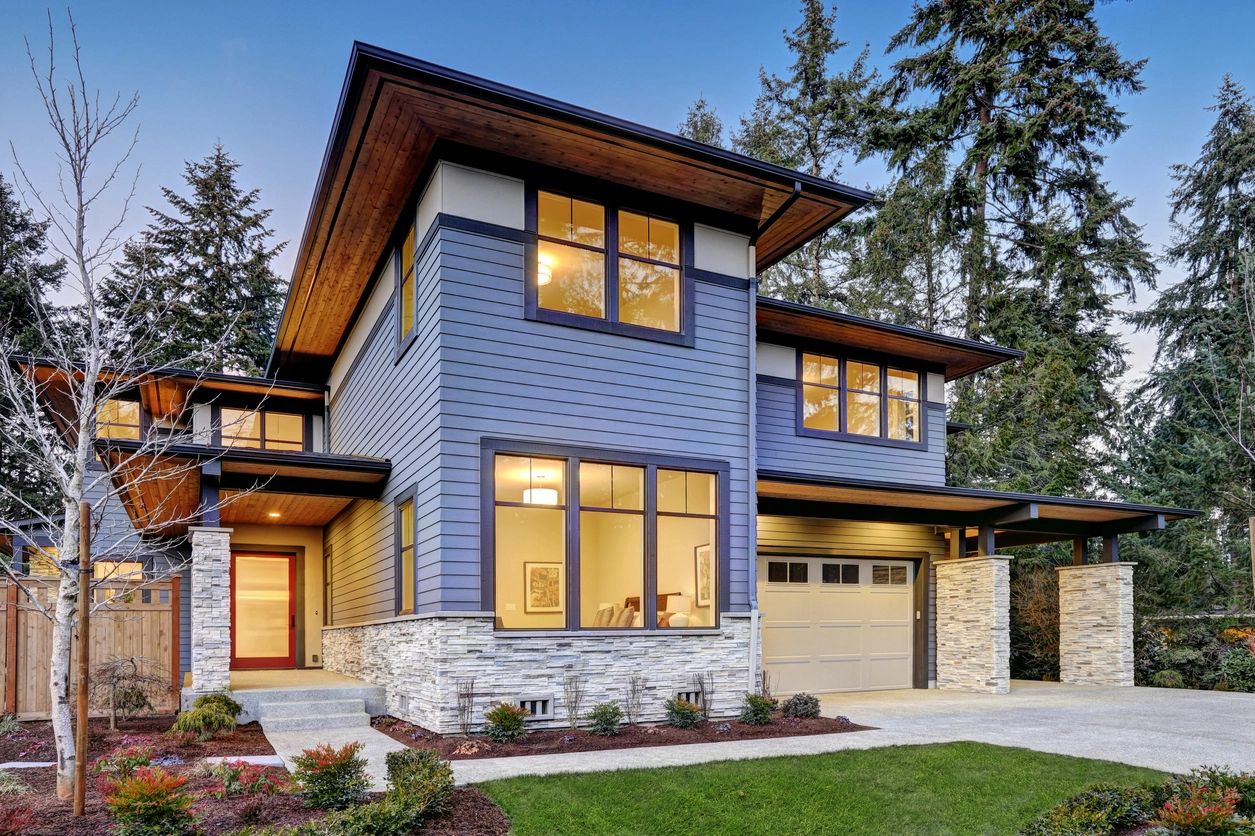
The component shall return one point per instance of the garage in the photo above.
(834, 624)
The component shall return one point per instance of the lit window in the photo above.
(612, 545)
(406, 301)
(821, 393)
(903, 405)
(42, 561)
(405, 554)
(862, 398)
(571, 255)
(854, 397)
(262, 430)
(530, 525)
(118, 419)
(649, 272)
(688, 548)
(117, 570)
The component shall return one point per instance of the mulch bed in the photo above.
(34, 741)
(549, 741)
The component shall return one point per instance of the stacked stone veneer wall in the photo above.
(211, 611)
(974, 624)
(1096, 624)
(420, 660)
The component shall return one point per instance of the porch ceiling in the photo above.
(1018, 519)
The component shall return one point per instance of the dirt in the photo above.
(34, 741)
(547, 741)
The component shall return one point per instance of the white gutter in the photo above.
(752, 546)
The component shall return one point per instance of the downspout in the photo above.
(752, 686)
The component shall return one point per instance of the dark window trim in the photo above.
(215, 420)
(490, 447)
(610, 324)
(397, 574)
(881, 440)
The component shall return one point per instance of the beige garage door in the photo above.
(836, 624)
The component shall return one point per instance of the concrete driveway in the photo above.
(1172, 730)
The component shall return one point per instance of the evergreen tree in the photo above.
(702, 124)
(1179, 450)
(811, 120)
(1017, 96)
(26, 279)
(203, 269)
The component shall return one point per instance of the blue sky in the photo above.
(263, 77)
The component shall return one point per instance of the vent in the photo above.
(540, 708)
(403, 704)
(695, 697)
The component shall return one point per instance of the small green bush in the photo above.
(757, 710)
(150, 802)
(505, 723)
(605, 718)
(1101, 809)
(10, 784)
(1167, 679)
(205, 722)
(802, 706)
(421, 777)
(1236, 671)
(331, 779)
(222, 699)
(682, 714)
(9, 725)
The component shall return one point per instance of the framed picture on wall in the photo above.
(542, 587)
(702, 574)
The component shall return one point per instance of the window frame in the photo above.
(140, 426)
(398, 551)
(843, 390)
(306, 429)
(573, 456)
(612, 203)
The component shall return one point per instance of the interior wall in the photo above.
(306, 543)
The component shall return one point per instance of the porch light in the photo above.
(540, 496)
(274, 515)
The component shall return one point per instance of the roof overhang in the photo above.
(393, 111)
(1018, 519)
(794, 324)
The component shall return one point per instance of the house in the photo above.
(526, 417)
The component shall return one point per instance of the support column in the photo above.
(1096, 624)
(974, 624)
(211, 609)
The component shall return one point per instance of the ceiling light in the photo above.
(544, 271)
(274, 515)
(540, 496)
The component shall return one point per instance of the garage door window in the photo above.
(889, 575)
(780, 572)
(840, 573)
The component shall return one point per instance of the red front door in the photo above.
(263, 610)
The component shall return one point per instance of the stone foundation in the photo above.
(1096, 624)
(211, 611)
(419, 660)
(974, 624)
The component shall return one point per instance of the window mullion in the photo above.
(573, 513)
(842, 398)
(649, 596)
(612, 264)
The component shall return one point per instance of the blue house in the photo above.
(527, 417)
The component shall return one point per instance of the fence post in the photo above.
(176, 639)
(10, 648)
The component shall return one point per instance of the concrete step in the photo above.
(273, 710)
(253, 698)
(316, 722)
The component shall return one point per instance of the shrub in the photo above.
(1242, 782)
(123, 760)
(149, 802)
(222, 699)
(9, 725)
(756, 710)
(1237, 671)
(15, 819)
(1103, 808)
(1199, 809)
(505, 723)
(421, 777)
(242, 778)
(10, 784)
(605, 718)
(1167, 679)
(205, 721)
(331, 779)
(682, 714)
(801, 705)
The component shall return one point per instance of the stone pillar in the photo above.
(211, 609)
(974, 624)
(1096, 624)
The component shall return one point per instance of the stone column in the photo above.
(211, 609)
(974, 624)
(1096, 624)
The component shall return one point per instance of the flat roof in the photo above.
(396, 111)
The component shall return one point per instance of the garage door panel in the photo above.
(886, 672)
(887, 638)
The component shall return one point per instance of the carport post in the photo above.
(1080, 551)
(985, 541)
(958, 543)
(1111, 548)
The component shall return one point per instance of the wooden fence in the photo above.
(141, 623)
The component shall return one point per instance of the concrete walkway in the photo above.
(1172, 730)
(376, 745)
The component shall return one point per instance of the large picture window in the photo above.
(856, 398)
(607, 264)
(262, 430)
(584, 543)
(118, 419)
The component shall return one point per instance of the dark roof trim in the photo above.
(174, 373)
(956, 427)
(975, 493)
(357, 464)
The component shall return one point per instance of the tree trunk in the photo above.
(59, 680)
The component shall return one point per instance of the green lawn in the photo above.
(958, 788)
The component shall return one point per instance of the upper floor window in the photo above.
(118, 419)
(262, 430)
(42, 561)
(406, 295)
(607, 264)
(858, 398)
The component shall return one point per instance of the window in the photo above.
(584, 518)
(117, 570)
(888, 575)
(261, 430)
(617, 266)
(781, 572)
(857, 398)
(42, 561)
(405, 557)
(843, 573)
(118, 419)
(405, 298)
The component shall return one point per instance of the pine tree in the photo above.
(203, 269)
(811, 120)
(26, 279)
(1018, 96)
(702, 124)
